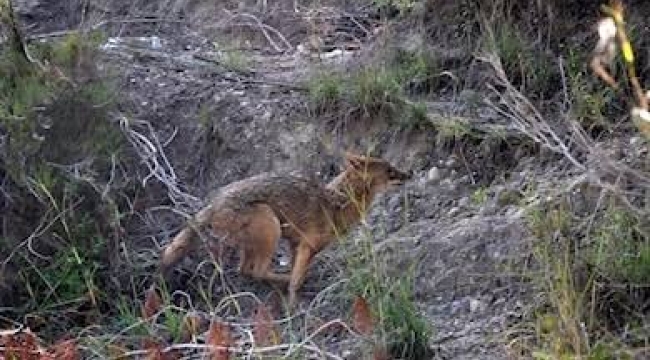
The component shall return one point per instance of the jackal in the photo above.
(254, 213)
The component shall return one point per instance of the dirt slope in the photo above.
(222, 116)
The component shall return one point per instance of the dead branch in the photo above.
(524, 115)
(264, 28)
(567, 138)
(150, 151)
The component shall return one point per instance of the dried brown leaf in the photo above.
(116, 351)
(219, 337)
(152, 303)
(65, 350)
(362, 317)
(153, 348)
(22, 345)
(264, 332)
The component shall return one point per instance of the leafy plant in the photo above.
(581, 281)
(480, 196)
(236, 61)
(415, 71)
(400, 328)
(377, 92)
(60, 142)
(326, 91)
(527, 67)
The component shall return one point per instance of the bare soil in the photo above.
(459, 223)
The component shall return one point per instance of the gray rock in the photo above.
(476, 305)
(434, 174)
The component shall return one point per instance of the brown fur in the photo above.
(254, 213)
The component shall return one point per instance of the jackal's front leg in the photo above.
(302, 258)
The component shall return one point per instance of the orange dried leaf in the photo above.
(152, 303)
(156, 352)
(153, 348)
(264, 332)
(219, 337)
(65, 350)
(362, 317)
(22, 345)
(11, 346)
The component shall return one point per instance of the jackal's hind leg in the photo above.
(258, 241)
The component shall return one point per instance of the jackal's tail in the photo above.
(185, 241)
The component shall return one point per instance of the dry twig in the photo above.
(568, 139)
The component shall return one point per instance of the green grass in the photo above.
(417, 117)
(622, 249)
(129, 316)
(480, 196)
(417, 71)
(77, 253)
(406, 332)
(527, 66)
(327, 91)
(450, 130)
(377, 92)
(401, 328)
(50, 121)
(236, 61)
(374, 93)
(589, 99)
(585, 279)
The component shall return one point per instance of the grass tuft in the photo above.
(527, 66)
(403, 331)
(591, 282)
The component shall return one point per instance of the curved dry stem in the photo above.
(566, 137)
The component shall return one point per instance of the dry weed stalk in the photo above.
(567, 138)
(149, 149)
(252, 21)
(525, 117)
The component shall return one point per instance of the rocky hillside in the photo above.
(522, 233)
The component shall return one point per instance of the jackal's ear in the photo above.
(355, 161)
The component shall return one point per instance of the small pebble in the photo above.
(434, 174)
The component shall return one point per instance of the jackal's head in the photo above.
(379, 174)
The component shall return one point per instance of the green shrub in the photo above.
(377, 92)
(326, 92)
(400, 5)
(417, 117)
(406, 332)
(527, 67)
(402, 329)
(621, 250)
(416, 72)
(56, 118)
(590, 281)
